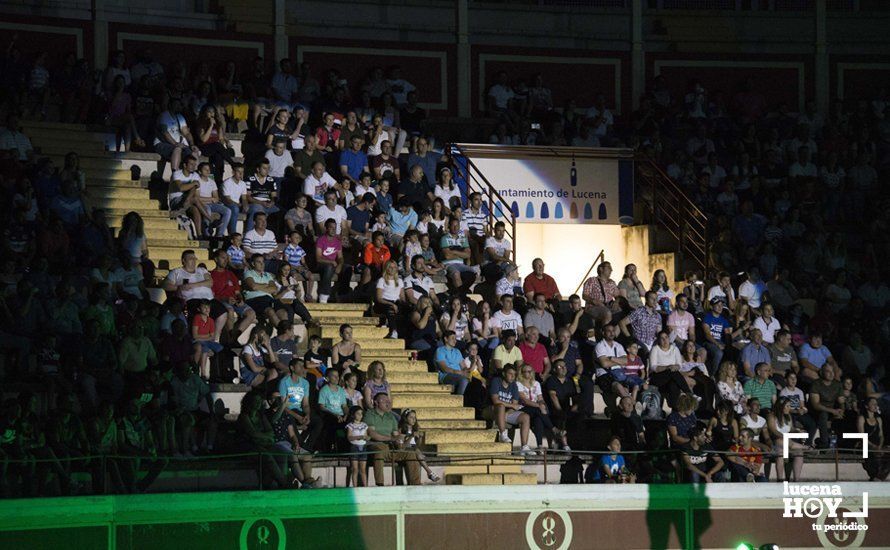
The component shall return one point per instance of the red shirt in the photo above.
(225, 284)
(749, 454)
(206, 327)
(534, 356)
(376, 256)
(546, 285)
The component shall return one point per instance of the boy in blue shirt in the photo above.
(294, 392)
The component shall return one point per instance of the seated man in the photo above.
(262, 190)
(600, 294)
(702, 464)
(815, 357)
(746, 464)
(826, 404)
(456, 251)
(208, 196)
(136, 440)
(329, 257)
(506, 409)
(182, 193)
(535, 353)
(188, 390)
(507, 353)
(538, 282)
(449, 362)
(386, 441)
(506, 318)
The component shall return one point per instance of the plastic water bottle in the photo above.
(833, 441)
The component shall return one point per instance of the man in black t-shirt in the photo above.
(262, 189)
(628, 425)
(702, 463)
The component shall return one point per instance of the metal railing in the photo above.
(601, 257)
(497, 208)
(673, 211)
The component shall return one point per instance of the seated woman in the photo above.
(694, 370)
(532, 399)
(682, 420)
(290, 290)
(390, 293)
(778, 424)
(376, 383)
(346, 355)
(729, 388)
(723, 428)
(424, 328)
(664, 369)
(254, 369)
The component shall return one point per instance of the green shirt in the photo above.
(383, 424)
(763, 392)
(332, 399)
(136, 354)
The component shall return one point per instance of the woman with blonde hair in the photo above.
(376, 383)
(390, 292)
(532, 400)
(729, 387)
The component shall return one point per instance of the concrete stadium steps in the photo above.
(381, 344)
(117, 192)
(360, 333)
(340, 309)
(412, 377)
(412, 387)
(454, 424)
(417, 399)
(484, 469)
(138, 205)
(474, 449)
(491, 479)
(444, 413)
(407, 366)
(336, 321)
(455, 435)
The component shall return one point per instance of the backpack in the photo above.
(651, 401)
(186, 224)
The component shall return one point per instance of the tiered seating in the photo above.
(451, 428)
(110, 185)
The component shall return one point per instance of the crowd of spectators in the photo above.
(345, 200)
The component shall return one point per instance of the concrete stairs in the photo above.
(451, 429)
(110, 185)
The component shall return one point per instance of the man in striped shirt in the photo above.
(261, 240)
(476, 220)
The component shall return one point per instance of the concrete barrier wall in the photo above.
(542, 517)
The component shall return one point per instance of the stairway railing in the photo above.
(672, 211)
(601, 257)
(497, 208)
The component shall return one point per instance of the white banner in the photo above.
(556, 190)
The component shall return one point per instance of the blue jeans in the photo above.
(234, 211)
(225, 217)
(456, 380)
(253, 209)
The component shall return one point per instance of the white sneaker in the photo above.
(323, 298)
(393, 335)
(504, 438)
(566, 448)
(525, 450)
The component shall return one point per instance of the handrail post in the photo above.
(545, 465)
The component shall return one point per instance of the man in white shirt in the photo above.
(500, 99)
(317, 183)
(193, 284)
(723, 290)
(418, 284)
(261, 240)
(610, 354)
(330, 210)
(803, 168)
(600, 118)
(506, 318)
(751, 289)
(208, 195)
(234, 195)
(398, 86)
(182, 193)
(279, 159)
(716, 173)
(498, 252)
(172, 136)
